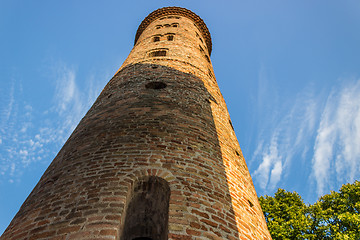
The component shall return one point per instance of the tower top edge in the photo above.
(165, 11)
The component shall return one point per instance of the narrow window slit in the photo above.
(210, 74)
(207, 58)
(213, 99)
(231, 125)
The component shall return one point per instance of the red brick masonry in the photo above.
(163, 115)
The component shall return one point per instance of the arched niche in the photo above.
(147, 213)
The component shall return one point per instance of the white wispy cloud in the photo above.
(66, 88)
(269, 171)
(9, 109)
(319, 133)
(336, 150)
(275, 174)
(27, 138)
(285, 136)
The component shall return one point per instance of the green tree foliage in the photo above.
(341, 212)
(286, 215)
(333, 216)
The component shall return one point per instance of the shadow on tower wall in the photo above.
(149, 120)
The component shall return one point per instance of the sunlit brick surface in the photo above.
(163, 115)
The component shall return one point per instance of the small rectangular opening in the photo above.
(158, 53)
(210, 73)
(156, 38)
(207, 58)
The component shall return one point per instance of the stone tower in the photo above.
(156, 156)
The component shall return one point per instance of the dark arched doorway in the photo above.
(147, 213)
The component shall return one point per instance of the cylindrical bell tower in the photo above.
(156, 156)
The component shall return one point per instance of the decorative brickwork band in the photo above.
(168, 11)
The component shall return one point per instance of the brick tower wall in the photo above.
(162, 115)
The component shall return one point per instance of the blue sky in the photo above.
(289, 72)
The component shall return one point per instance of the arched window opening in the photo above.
(170, 37)
(156, 38)
(158, 26)
(147, 213)
(175, 25)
